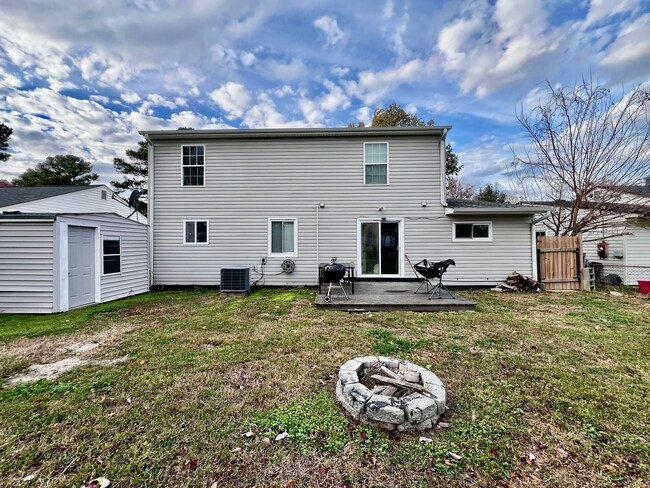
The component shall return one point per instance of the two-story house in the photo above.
(373, 196)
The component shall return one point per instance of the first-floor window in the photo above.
(540, 233)
(111, 255)
(196, 232)
(283, 237)
(481, 231)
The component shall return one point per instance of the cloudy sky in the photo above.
(82, 77)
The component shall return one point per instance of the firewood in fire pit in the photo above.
(389, 391)
(412, 376)
(401, 383)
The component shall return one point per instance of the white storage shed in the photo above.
(56, 262)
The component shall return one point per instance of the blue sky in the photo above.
(83, 77)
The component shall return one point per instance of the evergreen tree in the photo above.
(62, 169)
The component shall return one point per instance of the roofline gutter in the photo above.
(496, 210)
(287, 133)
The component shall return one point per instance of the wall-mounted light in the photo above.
(321, 204)
(380, 209)
(424, 204)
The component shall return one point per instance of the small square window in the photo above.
(196, 232)
(193, 165)
(283, 237)
(111, 255)
(480, 231)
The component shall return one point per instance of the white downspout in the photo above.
(317, 236)
(150, 211)
(443, 169)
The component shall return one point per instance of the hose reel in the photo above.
(288, 266)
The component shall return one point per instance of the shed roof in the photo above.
(14, 195)
(475, 207)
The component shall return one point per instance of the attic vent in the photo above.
(103, 194)
(235, 279)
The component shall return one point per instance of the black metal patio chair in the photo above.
(429, 271)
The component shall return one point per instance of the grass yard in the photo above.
(545, 390)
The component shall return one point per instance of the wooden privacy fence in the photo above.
(559, 262)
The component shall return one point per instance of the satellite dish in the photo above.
(134, 199)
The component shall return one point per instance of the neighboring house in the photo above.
(68, 198)
(374, 197)
(53, 262)
(625, 228)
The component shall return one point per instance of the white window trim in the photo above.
(183, 166)
(293, 254)
(472, 239)
(387, 163)
(207, 232)
(111, 238)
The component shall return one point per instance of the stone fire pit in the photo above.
(416, 397)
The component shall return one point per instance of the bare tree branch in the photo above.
(587, 151)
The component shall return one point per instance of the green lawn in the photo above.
(545, 390)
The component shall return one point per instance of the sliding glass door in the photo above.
(380, 252)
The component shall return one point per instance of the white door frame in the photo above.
(398, 220)
(62, 302)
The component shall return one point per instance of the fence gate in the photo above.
(559, 262)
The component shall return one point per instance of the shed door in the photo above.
(81, 266)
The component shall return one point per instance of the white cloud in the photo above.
(47, 123)
(233, 98)
(130, 97)
(335, 98)
(283, 91)
(387, 12)
(491, 47)
(631, 46)
(340, 71)
(600, 10)
(247, 59)
(313, 115)
(294, 70)
(330, 27)
(155, 100)
(373, 86)
(105, 69)
(364, 114)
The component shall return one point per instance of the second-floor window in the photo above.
(193, 165)
(375, 163)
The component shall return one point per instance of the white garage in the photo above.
(56, 262)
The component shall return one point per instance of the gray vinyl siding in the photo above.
(248, 181)
(133, 276)
(487, 263)
(26, 267)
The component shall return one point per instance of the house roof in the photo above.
(155, 135)
(14, 195)
(624, 208)
(475, 207)
(641, 190)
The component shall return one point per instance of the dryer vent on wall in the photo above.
(235, 279)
